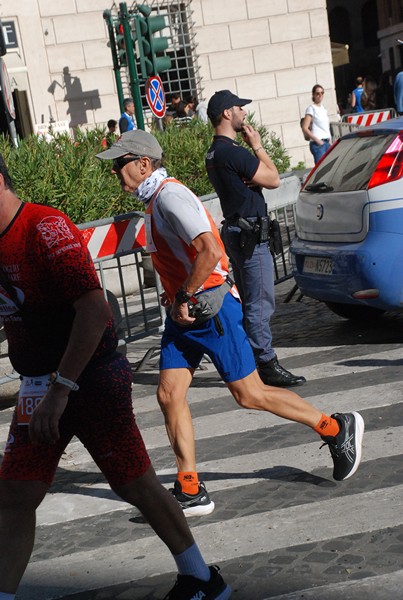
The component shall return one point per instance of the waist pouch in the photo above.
(206, 305)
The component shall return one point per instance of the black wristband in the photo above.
(182, 297)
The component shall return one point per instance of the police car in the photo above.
(348, 250)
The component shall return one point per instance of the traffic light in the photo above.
(144, 47)
(121, 45)
(149, 46)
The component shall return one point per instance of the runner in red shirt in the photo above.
(74, 383)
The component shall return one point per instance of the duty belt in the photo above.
(256, 226)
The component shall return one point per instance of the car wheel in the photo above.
(354, 311)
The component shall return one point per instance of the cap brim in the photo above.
(244, 101)
(112, 153)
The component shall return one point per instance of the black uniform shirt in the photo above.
(229, 166)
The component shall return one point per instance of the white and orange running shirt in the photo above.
(177, 217)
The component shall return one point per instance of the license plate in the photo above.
(315, 264)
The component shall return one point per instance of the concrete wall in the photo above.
(272, 51)
(62, 60)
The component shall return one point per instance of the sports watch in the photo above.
(57, 378)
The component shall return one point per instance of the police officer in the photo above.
(238, 176)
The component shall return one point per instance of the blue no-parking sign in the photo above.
(156, 96)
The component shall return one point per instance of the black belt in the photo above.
(256, 226)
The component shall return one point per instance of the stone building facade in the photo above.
(273, 51)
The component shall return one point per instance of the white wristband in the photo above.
(57, 378)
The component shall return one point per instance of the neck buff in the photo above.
(147, 188)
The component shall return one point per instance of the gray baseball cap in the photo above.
(136, 142)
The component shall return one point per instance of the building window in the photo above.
(183, 77)
(339, 26)
(369, 20)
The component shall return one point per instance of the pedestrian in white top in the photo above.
(316, 125)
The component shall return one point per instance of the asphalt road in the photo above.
(282, 528)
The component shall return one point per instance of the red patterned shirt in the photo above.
(46, 261)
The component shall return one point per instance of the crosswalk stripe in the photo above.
(98, 498)
(264, 528)
(265, 532)
(377, 395)
(345, 366)
(380, 587)
(240, 420)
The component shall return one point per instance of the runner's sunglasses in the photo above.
(122, 161)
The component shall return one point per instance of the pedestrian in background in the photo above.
(183, 114)
(110, 136)
(369, 94)
(199, 107)
(238, 176)
(398, 92)
(126, 121)
(204, 315)
(62, 342)
(356, 95)
(316, 126)
(175, 100)
(384, 93)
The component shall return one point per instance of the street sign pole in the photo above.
(116, 67)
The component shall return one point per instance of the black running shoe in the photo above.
(190, 588)
(345, 447)
(193, 505)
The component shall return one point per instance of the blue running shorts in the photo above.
(225, 342)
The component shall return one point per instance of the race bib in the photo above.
(31, 392)
(150, 245)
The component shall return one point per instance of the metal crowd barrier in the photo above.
(117, 248)
(338, 129)
(353, 121)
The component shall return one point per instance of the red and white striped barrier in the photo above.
(115, 238)
(369, 118)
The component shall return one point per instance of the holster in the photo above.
(249, 236)
(276, 243)
(253, 232)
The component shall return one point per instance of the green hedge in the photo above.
(67, 176)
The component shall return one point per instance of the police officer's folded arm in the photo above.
(266, 175)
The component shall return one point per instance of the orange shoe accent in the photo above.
(189, 482)
(327, 426)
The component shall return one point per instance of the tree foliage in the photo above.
(66, 175)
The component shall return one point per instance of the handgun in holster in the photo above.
(248, 237)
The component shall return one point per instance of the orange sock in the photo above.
(189, 482)
(327, 426)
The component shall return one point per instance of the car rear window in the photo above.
(350, 164)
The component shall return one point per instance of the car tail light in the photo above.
(366, 294)
(318, 163)
(390, 167)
